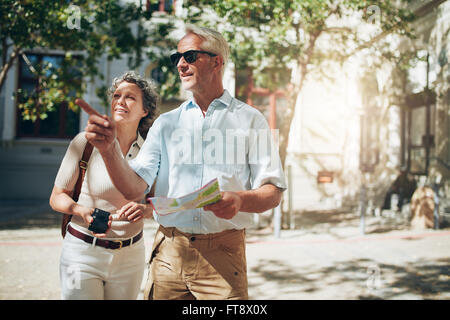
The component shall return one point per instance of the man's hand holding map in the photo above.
(208, 194)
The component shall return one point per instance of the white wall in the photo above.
(325, 136)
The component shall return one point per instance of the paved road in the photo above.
(325, 257)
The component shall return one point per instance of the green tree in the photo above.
(86, 31)
(272, 38)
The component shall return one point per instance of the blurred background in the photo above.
(358, 91)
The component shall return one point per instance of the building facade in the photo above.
(365, 126)
(31, 152)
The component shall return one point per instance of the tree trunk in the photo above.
(294, 91)
(7, 66)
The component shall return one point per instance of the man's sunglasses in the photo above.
(190, 56)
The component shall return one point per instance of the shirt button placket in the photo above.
(196, 221)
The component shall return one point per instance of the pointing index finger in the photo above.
(86, 107)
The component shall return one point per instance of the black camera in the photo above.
(100, 222)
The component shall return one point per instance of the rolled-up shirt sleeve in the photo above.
(147, 162)
(264, 159)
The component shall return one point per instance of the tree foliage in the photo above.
(276, 38)
(85, 30)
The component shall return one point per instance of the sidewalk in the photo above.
(325, 257)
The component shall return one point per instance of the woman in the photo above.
(109, 265)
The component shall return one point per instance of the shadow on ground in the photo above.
(416, 280)
(335, 222)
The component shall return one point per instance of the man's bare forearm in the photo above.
(259, 200)
(122, 176)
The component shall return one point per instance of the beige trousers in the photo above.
(188, 267)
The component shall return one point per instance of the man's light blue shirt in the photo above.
(185, 149)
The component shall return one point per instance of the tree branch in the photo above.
(7, 66)
(337, 29)
(420, 12)
(309, 53)
(5, 47)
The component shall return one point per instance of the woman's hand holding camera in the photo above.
(88, 216)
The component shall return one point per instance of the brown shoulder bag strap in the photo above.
(76, 192)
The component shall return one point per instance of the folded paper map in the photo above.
(208, 194)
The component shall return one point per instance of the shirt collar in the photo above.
(225, 99)
(139, 140)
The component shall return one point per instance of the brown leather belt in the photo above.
(108, 244)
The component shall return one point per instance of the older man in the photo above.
(200, 253)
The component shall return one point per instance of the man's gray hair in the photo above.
(213, 42)
(149, 97)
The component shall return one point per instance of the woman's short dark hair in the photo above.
(149, 98)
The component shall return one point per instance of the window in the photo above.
(419, 119)
(271, 103)
(63, 123)
(160, 6)
(419, 132)
(369, 155)
(158, 75)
